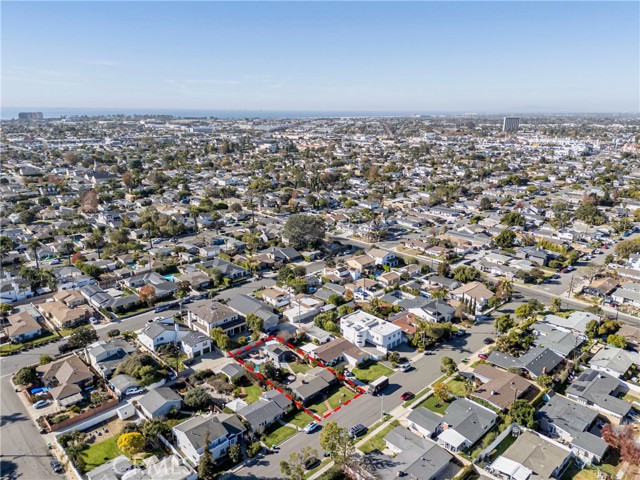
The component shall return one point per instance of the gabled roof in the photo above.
(425, 418)
(155, 399)
(217, 426)
(567, 415)
(469, 419)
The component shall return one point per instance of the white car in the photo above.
(311, 427)
(134, 390)
(405, 367)
(41, 404)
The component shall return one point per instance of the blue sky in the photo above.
(378, 56)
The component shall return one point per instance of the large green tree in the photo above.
(304, 231)
(337, 441)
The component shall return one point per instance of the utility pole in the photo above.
(571, 286)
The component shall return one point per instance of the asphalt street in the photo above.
(368, 409)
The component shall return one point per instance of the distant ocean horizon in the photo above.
(9, 113)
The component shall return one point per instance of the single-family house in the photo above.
(158, 402)
(465, 422)
(223, 430)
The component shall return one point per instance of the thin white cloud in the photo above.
(103, 63)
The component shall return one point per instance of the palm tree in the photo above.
(506, 290)
(193, 213)
(34, 245)
(148, 226)
(67, 249)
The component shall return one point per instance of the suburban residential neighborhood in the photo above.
(428, 297)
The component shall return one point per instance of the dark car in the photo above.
(407, 396)
(357, 430)
(64, 348)
(56, 466)
(312, 463)
(488, 341)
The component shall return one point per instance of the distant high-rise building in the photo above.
(30, 116)
(510, 124)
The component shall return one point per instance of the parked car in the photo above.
(134, 390)
(311, 427)
(357, 430)
(56, 466)
(64, 348)
(482, 356)
(407, 396)
(487, 341)
(55, 261)
(41, 404)
(311, 463)
(405, 367)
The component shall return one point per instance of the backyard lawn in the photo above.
(371, 371)
(101, 452)
(252, 393)
(502, 447)
(432, 403)
(176, 361)
(278, 435)
(299, 367)
(377, 441)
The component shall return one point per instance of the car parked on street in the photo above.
(407, 396)
(56, 466)
(311, 427)
(357, 430)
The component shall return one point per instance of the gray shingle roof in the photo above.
(157, 398)
(469, 419)
(567, 415)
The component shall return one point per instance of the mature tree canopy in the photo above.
(82, 337)
(131, 443)
(513, 219)
(304, 231)
(337, 441)
(25, 376)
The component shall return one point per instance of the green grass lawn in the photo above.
(278, 435)
(336, 398)
(299, 367)
(432, 403)
(299, 419)
(502, 447)
(370, 372)
(341, 396)
(12, 347)
(252, 393)
(630, 398)
(457, 387)
(101, 452)
(174, 361)
(377, 441)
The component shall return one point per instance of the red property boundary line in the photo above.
(360, 391)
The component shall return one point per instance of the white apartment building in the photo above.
(361, 328)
